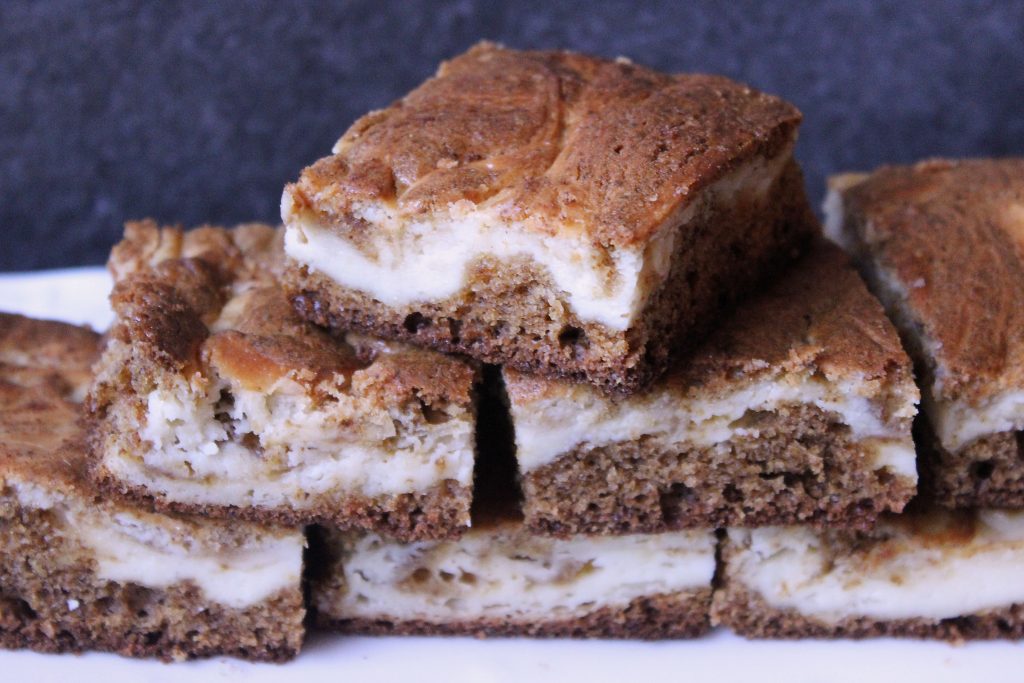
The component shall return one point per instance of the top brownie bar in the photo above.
(557, 213)
(942, 244)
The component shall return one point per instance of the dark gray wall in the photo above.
(197, 112)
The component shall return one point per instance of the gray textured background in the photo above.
(200, 111)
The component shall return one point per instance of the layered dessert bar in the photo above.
(501, 580)
(953, 575)
(797, 409)
(80, 571)
(557, 213)
(213, 396)
(942, 245)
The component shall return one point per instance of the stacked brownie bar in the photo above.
(597, 230)
(941, 244)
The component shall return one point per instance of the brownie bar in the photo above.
(79, 571)
(500, 580)
(797, 409)
(925, 574)
(941, 245)
(213, 396)
(553, 212)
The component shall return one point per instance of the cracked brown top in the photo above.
(606, 147)
(210, 297)
(951, 234)
(818, 319)
(44, 367)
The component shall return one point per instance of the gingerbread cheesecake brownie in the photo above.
(952, 575)
(213, 396)
(797, 409)
(558, 213)
(80, 571)
(942, 245)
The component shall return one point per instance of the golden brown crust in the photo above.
(951, 234)
(212, 294)
(44, 365)
(61, 351)
(818, 317)
(609, 147)
(656, 617)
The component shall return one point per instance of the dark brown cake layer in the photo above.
(803, 467)
(658, 617)
(505, 314)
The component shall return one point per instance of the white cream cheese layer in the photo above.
(514, 577)
(955, 423)
(547, 428)
(907, 577)
(130, 548)
(428, 259)
(301, 451)
(237, 578)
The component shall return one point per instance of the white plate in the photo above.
(79, 296)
